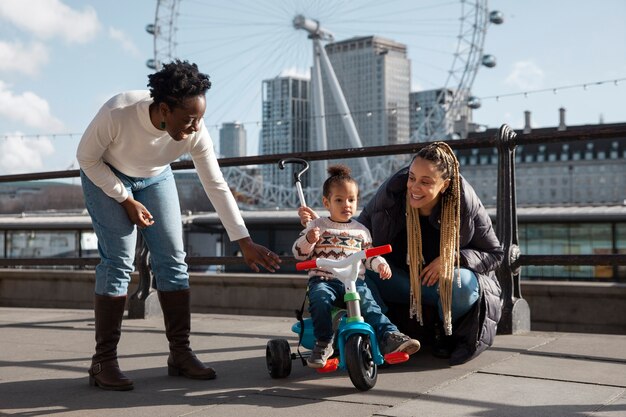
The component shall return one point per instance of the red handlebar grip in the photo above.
(301, 266)
(378, 250)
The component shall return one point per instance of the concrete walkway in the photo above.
(45, 354)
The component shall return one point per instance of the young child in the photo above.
(339, 236)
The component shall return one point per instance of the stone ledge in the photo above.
(555, 306)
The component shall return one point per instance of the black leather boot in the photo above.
(177, 316)
(105, 371)
(443, 345)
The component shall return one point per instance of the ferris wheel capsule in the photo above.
(489, 61)
(473, 102)
(152, 29)
(496, 17)
(152, 64)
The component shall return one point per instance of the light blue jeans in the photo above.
(397, 289)
(117, 235)
(324, 294)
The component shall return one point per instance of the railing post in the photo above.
(144, 303)
(515, 311)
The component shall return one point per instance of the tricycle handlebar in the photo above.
(378, 250)
(367, 253)
(303, 266)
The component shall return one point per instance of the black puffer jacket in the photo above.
(481, 252)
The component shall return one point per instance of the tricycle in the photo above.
(356, 342)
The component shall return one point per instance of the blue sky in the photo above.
(61, 59)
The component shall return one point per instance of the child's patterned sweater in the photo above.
(337, 241)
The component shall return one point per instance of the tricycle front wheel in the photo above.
(360, 362)
(278, 358)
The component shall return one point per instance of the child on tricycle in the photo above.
(337, 237)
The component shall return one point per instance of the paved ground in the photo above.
(45, 354)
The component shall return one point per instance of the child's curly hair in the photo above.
(338, 174)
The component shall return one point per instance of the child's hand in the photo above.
(313, 235)
(306, 215)
(384, 271)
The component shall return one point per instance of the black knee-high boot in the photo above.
(105, 371)
(177, 316)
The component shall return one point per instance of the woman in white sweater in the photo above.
(124, 156)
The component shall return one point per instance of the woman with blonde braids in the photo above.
(445, 253)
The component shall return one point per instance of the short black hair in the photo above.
(176, 82)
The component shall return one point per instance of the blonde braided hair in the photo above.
(442, 156)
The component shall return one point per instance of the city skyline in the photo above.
(53, 80)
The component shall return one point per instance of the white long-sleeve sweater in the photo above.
(123, 136)
(337, 241)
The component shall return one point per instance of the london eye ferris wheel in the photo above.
(240, 43)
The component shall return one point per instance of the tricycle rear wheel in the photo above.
(278, 358)
(360, 363)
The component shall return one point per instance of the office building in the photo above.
(232, 140)
(580, 173)
(374, 74)
(286, 121)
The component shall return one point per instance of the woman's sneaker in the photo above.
(399, 342)
(321, 352)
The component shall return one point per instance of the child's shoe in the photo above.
(399, 342)
(321, 352)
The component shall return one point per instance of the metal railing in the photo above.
(516, 314)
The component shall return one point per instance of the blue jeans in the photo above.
(397, 290)
(323, 295)
(117, 235)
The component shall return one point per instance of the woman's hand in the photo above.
(254, 255)
(137, 213)
(430, 274)
(384, 271)
(306, 215)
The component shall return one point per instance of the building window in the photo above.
(569, 239)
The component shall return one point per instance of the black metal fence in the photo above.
(516, 315)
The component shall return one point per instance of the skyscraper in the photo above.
(232, 140)
(374, 74)
(286, 121)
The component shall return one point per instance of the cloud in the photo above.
(47, 19)
(416, 86)
(126, 43)
(27, 59)
(19, 154)
(296, 72)
(526, 75)
(27, 108)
